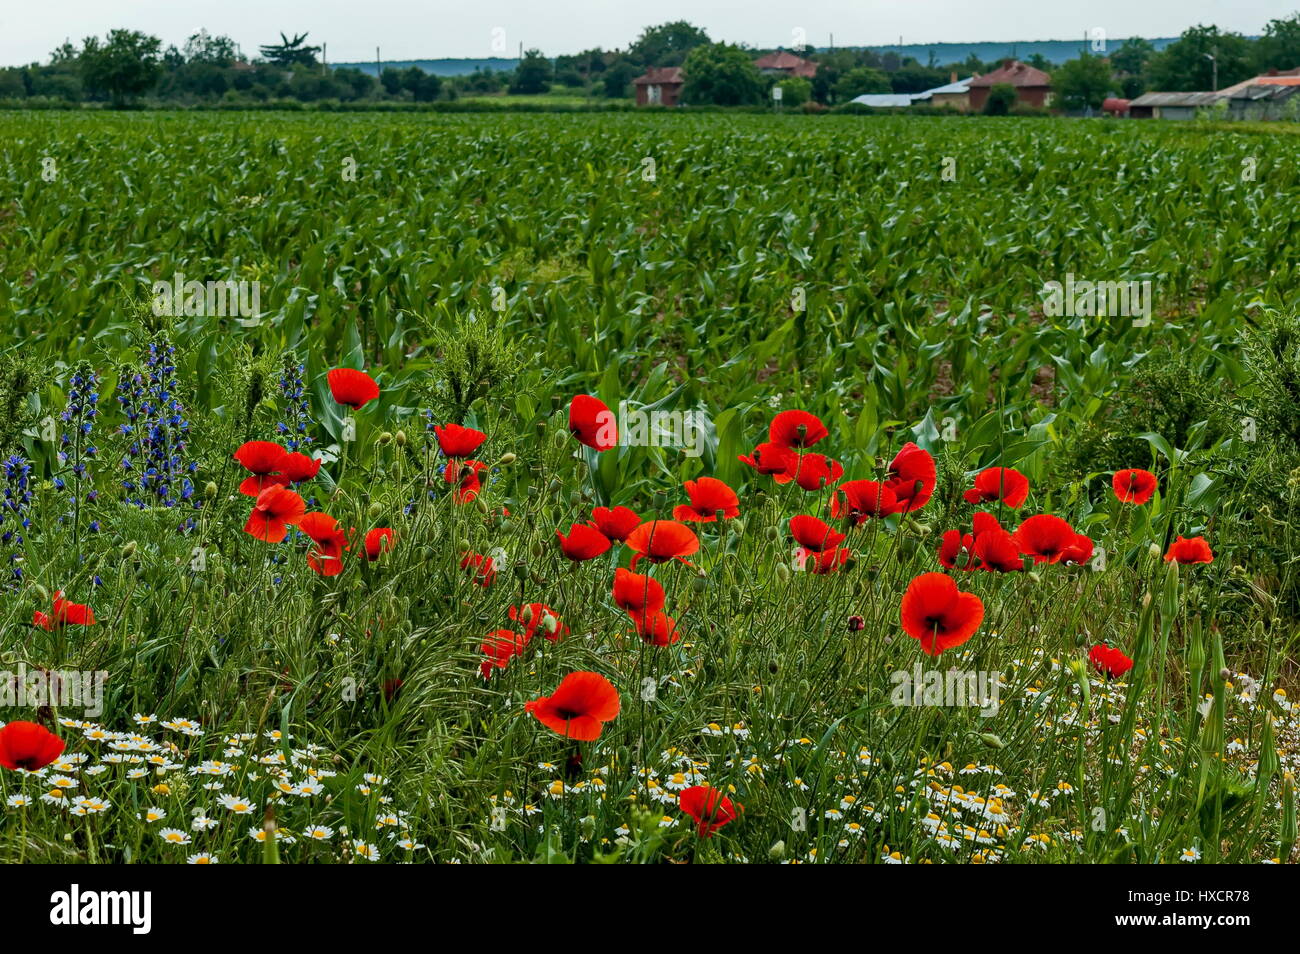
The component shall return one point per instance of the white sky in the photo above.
(416, 29)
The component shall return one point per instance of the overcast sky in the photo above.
(417, 29)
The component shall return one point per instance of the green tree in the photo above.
(1279, 47)
(618, 77)
(123, 66)
(916, 79)
(1132, 57)
(1002, 96)
(667, 44)
(1084, 82)
(203, 47)
(1186, 65)
(291, 52)
(795, 91)
(533, 74)
(721, 74)
(858, 81)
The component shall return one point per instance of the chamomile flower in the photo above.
(202, 858)
(174, 836)
(240, 806)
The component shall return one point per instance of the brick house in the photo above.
(659, 86)
(786, 64)
(1033, 87)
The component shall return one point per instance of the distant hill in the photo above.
(443, 67)
(1055, 51)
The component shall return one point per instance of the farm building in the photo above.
(786, 64)
(659, 86)
(1171, 105)
(1265, 101)
(955, 95)
(1033, 87)
(884, 100)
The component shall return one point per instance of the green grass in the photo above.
(487, 269)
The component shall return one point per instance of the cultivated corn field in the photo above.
(624, 488)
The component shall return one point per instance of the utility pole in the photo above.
(379, 67)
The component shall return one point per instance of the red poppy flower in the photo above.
(329, 541)
(813, 472)
(813, 534)
(999, 483)
(997, 551)
(1134, 486)
(465, 475)
(584, 542)
(1108, 661)
(592, 423)
(828, 561)
(708, 807)
(535, 616)
(615, 523)
(261, 459)
(861, 499)
(579, 706)
(457, 441)
(500, 647)
(662, 540)
(26, 745)
(796, 429)
(1078, 552)
(636, 592)
(1189, 550)
(353, 388)
(482, 569)
(1045, 538)
(66, 613)
(656, 628)
(957, 551)
(295, 468)
(276, 510)
(775, 459)
(378, 542)
(938, 614)
(911, 477)
(708, 495)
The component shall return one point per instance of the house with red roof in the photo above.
(659, 86)
(786, 64)
(1033, 86)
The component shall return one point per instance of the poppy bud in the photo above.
(520, 571)
(462, 546)
(992, 741)
(42, 592)
(210, 489)
(783, 573)
(777, 851)
(734, 593)
(385, 438)
(1035, 578)
(128, 548)
(700, 584)
(400, 437)
(1225, 673)
(481, 504)
(1146, 600)
(560, 439)
(1154, 550)
(505, 460)
(375, 510)
(924, 529)
(738, 527)
(772, 534)
(550, 624)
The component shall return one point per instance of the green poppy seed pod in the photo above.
(385, 438)
(505, 460)
(738, 527)
(1154, 550)
(375, 510)
(575, 498)
(400, 437)
(462, 546)
(777, 851)
(520, 571)
(699, 584)
(210, 489)
(128, 548)
(538, 548)
(783, 573)
(554, 487)
(992, 741)
(734, 593)
(772, 534)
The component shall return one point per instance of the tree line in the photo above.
(127, 67)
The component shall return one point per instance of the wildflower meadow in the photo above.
(647, 489)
